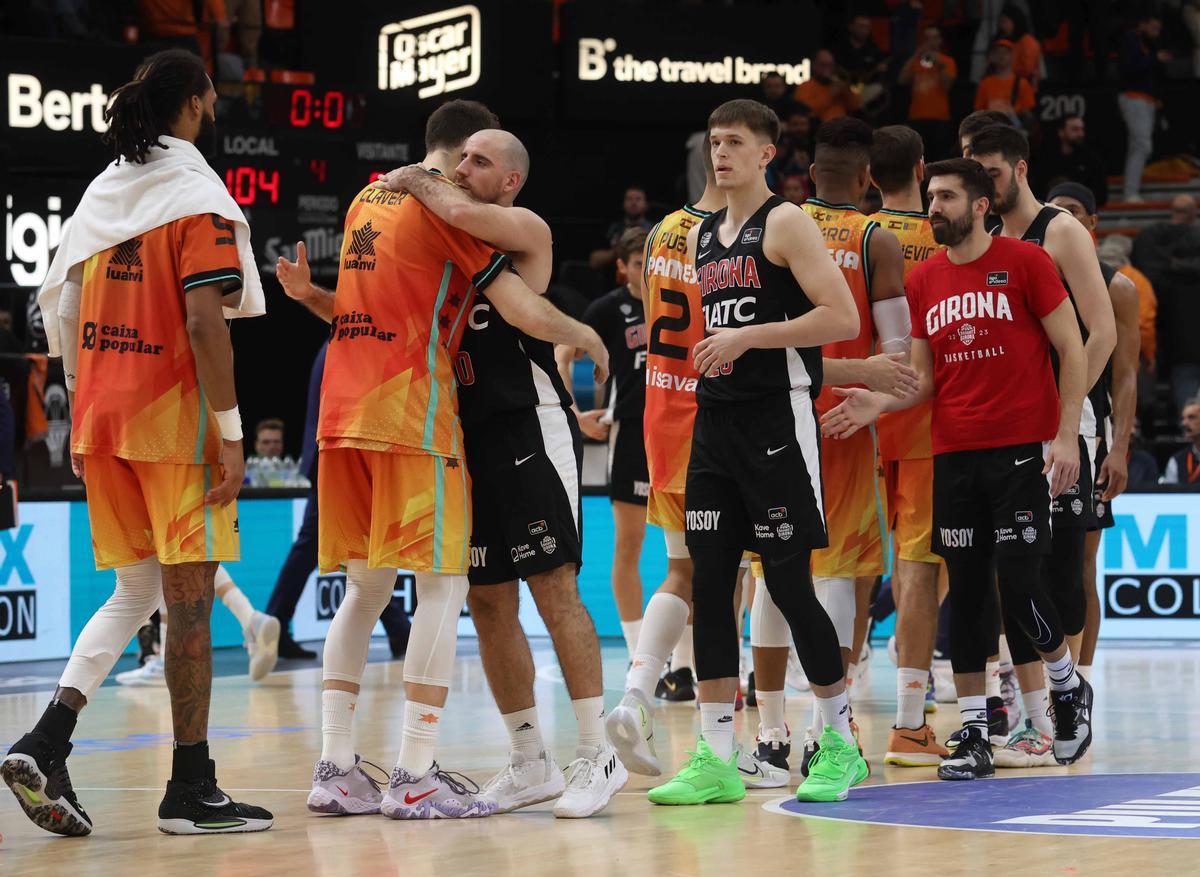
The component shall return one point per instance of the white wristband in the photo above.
(231, 424)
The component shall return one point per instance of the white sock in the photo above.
(684, 655)
(524, 732)
(835, 713)
(910, 697)
(418, 746)
(1006, 664)
(973, 710)
(716, 726)
(337, 721)
(589, 713)
(992, 678)
(771, 708)
(632, 630)
(661, 628)
(1062, 673)
(235, 601)
(1037, 709)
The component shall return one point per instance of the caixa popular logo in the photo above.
(1147, 573)
(436, 53)
(18, 598)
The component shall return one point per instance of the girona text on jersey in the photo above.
(967, 306)
(738, 272)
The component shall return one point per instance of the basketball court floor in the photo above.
(1129, 808)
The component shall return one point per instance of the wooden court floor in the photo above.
(265, 738)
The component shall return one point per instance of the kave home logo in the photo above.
(436, 53)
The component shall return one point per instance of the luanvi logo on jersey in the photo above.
(702, 520)
(438, 53)
(125, 258)
(997, 278)
(360, 255)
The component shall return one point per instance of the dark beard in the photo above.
(206, 139)
(953, 232)
(1008, 201)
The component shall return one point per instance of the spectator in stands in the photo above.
(247, 16)
(775, 96)
(1169, 254)
(1140, 61)
(268, 438)
(170, 24)
(1184, 467)
(1002, 90)
(635, 206)
(865, 63)
(794, 151)
(975, 122)
(931, 73)
(828, 92)
(1115, 250)
(1027, 51)
(796, 189)
(1142, 468)
(1068, 157)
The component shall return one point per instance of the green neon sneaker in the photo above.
(836, 766)
(705, 779)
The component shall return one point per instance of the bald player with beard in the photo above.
(524, 453)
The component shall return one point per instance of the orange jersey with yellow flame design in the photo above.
(137, 394)
(676, 323)
(404, 291)
(905, 435)
(847, 234)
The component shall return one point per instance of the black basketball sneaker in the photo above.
(676, 686)
(971, 758)
(201, 807)
(774, 747)
(751, 691)
(36, 771)
(1072, 722)
(147, 640)
(997, 721)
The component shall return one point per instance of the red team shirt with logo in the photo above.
(993, 382)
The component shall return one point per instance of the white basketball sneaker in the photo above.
(525, 782)
(592, 779)
(630, 729)
(344, 792)
(262, 642)
(759, 773)
(436, 794)
(152, 673)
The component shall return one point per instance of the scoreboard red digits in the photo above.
(310, 108)
(251, 186)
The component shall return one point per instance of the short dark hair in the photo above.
(269, 423)
(980, 119)
(631, 242)
(756, 116)
(453, 122)
(1066, 117)
(894, 154)
(975, 178)
(772, 74)
(843, 145)
(1009, 143)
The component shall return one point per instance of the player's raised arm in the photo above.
(296, 280)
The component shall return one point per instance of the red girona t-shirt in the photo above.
(993, 384)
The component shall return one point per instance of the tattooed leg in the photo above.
(188, 592)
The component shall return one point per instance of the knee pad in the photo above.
(104, 637)
(676, 545)
(430, 656)
(349, 639)
(768, 628)
(837, 595)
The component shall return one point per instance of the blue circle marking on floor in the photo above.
(1163, 805)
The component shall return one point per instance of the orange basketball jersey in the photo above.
(403, 295)
(847, 235)
(672, 302)
(905, 435)
(138, 396)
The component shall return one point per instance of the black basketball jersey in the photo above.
(501, 369)
(1095, 405)
(620, 321)
(739, 286)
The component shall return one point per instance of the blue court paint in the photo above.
(1105, 805)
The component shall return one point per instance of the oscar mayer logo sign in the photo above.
(435, 54)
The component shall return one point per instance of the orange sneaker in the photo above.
(919, 748)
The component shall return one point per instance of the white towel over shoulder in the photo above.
(127, 200)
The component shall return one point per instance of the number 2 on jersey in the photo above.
(667, 323)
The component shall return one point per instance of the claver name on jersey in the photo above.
(666, 381)
(967, 306)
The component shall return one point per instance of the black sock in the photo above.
(57, 722)
(189, 762)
